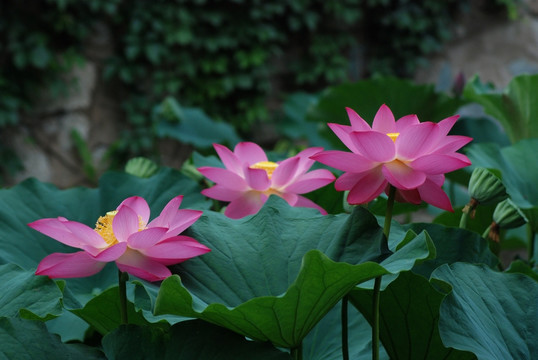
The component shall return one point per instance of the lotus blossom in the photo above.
(407, 154)
(249, 179)
(124, 236)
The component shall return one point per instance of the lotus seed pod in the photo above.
(485, 187)
(508, 215)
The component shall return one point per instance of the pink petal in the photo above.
(433, 194)
(345, 161)
(112, 253)
(305, 202)
(357, 123)
(310, 181)
(347, 180)
(438, 179)
(249, 203)
(78, 264)
(409, 196)
(373, 145)
(250, 153)
(369, 186)
(447, 124)
(57, 229)
(438, 164)
(168, 213)
(285, 172)
(91, 241)
(305, 161)
(406, 121)
(417, 140)
(125, 223)
(139, 206)
(219, 192)
(343, 131)
(402, 176)
(451, 143)
(146, 238)
(224, 177)
(230, 161)
(184, 218)
(140, 266)
(384, 121)
(257, 179)
(176, 250)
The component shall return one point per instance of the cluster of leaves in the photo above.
(275, 277)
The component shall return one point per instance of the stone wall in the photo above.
(492, 46)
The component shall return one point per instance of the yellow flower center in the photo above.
(268, 166)
(393, 136)
(103, 227)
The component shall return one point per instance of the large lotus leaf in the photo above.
(188, 340)
(409, 317)
(492, 314)
(193, 126)
(515, 107)
(29, 296)
(365, 97)
(28, 340)
(453, 245)
(260, 255)
(255, 260)
(284, 320)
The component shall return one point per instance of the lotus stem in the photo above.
(122, 279)
(377, 282)
(345, 346)
(297, 352)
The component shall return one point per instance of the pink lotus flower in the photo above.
(249, 179)
(124, 236)
(410, 155)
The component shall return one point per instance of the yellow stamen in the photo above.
(268, 166)
(103, 227)
(393, 136)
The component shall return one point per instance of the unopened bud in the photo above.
(485, 187)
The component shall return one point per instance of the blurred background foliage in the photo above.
(226, 57)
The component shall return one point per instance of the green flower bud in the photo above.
(141, 167)
(485, 187)
(508, 215)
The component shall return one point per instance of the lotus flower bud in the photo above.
(141, 167)
(507, 215)
(485, 187)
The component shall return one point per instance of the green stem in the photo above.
(530, 238)
(377, 283)
(297, 352)
(122, 279)
(345, 347)
(463, 220)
